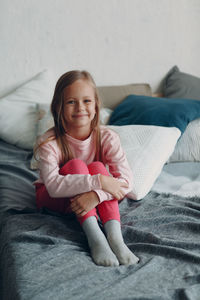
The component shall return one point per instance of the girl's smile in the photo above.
(80, 115)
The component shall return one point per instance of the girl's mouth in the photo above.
(80, 115)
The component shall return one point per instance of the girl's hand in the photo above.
(83, 203)
(113, 186)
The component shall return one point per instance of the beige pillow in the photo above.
(111, 96)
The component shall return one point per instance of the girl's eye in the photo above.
(87, 100)
(70, 102)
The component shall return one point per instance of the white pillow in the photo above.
(147, 149)
(44, 122)
(18, 123)
(188, 146)
(19, 113)
(105, 114)
(45, 119)
(38, 89)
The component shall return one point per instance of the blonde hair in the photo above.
(57, 110)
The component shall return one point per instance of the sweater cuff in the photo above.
(95, 182)
(103, 196)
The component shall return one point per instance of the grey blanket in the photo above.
(44, 255)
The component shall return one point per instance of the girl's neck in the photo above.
(79, 134)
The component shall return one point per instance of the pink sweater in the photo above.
(113, 157)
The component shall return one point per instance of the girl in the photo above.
(73, 178)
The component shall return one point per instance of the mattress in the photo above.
(45, 255)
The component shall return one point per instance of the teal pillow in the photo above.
(167, 112)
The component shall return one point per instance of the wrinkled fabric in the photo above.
(46, 256)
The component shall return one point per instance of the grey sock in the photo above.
(100, 249)
(116, 242)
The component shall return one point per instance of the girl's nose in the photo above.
(80, 105)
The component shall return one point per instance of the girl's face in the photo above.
(79, 106)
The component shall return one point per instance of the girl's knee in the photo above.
(74, 166)
(97, 167)
(76, 162)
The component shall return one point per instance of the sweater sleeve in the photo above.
(58, 185)
(115, 158)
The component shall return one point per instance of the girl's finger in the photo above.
(117, 196)
(81, 212)
(73, 205)
(74, 202)
(76, 207)
(77, 211)
(124, 184)
(74, 198)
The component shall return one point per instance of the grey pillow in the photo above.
(177, 84)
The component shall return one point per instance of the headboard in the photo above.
(111, 96)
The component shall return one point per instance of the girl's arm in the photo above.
(113, 186)
(58, 185)
(83, 203)
(115, 158)
(72, 185)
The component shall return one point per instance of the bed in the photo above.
(44, 255)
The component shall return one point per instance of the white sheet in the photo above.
(181, 179)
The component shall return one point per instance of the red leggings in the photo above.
(107, 210)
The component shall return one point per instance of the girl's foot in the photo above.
(116, 242)
(100, 249)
